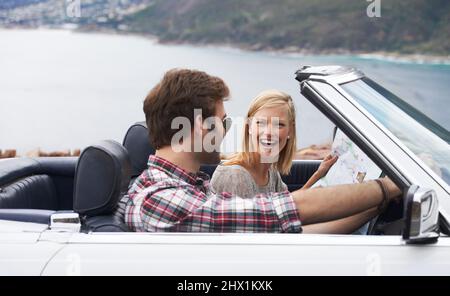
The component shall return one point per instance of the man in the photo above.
(173, 195)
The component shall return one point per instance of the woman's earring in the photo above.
(288, 137)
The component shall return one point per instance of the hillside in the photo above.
(405, 26)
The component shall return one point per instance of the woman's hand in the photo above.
(326, 164)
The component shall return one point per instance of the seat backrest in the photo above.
(208, 168)
(31, 192)
(300, 173)
(137, 143)
(32, 189)
(102, 176)
(37, 183)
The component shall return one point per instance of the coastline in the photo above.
(291, 51)
(297, 52)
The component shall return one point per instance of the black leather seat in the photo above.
(31, 192)
(32, 189)
(300, 173)
(102, 177)
(37, 183)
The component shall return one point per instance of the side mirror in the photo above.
(421, 213)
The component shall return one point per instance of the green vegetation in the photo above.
(405, 26)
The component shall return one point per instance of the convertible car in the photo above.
(56, 213)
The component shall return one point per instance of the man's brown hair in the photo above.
(178, 93)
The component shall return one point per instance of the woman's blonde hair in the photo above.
(268, 99)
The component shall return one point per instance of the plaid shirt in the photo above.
(167, 198)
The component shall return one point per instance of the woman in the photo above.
(268, 147)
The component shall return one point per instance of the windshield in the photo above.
(420, 134)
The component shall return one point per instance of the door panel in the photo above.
(244, 254)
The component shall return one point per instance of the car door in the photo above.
(246, 254)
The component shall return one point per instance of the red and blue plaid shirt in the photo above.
(167, 198)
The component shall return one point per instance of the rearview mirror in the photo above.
(421, 213)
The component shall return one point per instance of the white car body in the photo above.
(32, 249)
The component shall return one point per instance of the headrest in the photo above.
(102, 176)
(137, 143)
